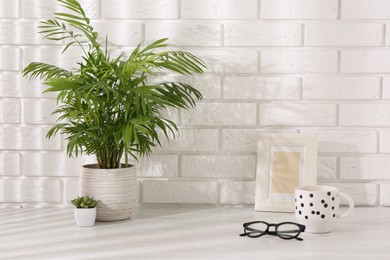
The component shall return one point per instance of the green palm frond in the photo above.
(44, 71)
(62, 27)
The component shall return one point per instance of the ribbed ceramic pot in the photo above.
(114, 189)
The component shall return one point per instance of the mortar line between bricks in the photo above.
(339, 9)
(179, 8)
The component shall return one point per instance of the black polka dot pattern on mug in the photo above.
(311, 207)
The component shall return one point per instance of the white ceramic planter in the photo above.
(115, 190)
(85, 217)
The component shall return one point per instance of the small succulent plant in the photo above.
(84, 202)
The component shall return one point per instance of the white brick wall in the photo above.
(318, 66)
(365, 61)
(295, 114)
(299, 61)
(185, 34)
(354, 88)
(263, 34)
(219, 9)
(299, 9)
(9, 9)
(335, 34)
(365, 9)
(135, 9)
(271, 88)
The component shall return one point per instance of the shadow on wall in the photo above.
(341, 171)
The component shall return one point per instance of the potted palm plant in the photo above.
(108, 107)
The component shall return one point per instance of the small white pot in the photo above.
(85, 217)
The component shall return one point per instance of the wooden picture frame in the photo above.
(284, 161)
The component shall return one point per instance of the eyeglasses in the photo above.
(284, 230)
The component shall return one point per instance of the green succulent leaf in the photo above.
(84, 202)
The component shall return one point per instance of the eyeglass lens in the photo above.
(256, 229)
(288, 230)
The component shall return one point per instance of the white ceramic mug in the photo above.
(317, 207)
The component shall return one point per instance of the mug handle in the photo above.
(351, 204)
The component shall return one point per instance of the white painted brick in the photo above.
(134, 9)
(185, 34)
(10, 111)
(263, 34)
(239, 140)
(71, 189)
(240, 192)
(52, 55)
(385, 194)
(365, 168)
(10, 164)
(334, 88)
(190, 192)
(9, 9)
(33, 88)
(363, 194)
(218, 166)
(47, 8)
(158, 166)
(39, 111)
(27, 138)
(119, 32)
(384, 138)
(51, 164)
(367, 61)
(337, 34)
(229, 61)
(10, 58)
(209, 86)
(367, 114)
(299, 61)
(267, 88)
(219, 9)
(365, 9)
(345, 141)
(196, 140)
(245, 140)
(221, 114)
(326, 167)
(10, 84)
(8, 32)
(299, 9)
(290, 114)
(22, 33)
(29, 190)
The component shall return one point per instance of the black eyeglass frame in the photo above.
(259, 233)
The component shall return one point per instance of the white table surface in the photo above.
(166, 232)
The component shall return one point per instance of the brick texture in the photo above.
(309, 66)
(263, 34)
(299, 9)
(219, 9)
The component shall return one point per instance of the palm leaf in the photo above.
(44, 71)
